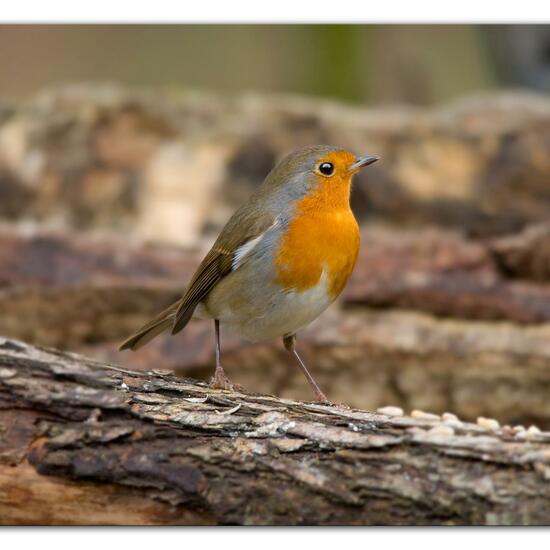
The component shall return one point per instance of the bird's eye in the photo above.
(327, 168)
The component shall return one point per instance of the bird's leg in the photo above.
(289, 342)
(220, 380)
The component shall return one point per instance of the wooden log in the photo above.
(86, 295)
(525, 255)
(86, 442)
(165, 166)
(65, 290)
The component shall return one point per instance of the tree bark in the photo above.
(82, 442)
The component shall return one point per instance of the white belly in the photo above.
(269, 313)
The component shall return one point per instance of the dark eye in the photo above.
(327, 168)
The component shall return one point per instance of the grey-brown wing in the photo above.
(215, 266)
(244, 226)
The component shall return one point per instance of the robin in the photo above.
(279, 262)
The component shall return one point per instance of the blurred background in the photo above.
(381, 64)
(125, 148)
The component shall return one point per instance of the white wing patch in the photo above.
(244, 250)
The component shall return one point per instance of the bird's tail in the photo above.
(147, 332)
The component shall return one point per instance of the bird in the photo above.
(282, 258)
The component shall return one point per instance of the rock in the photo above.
(442, 429)
(488, 423)
(421, 415)
(390, 411)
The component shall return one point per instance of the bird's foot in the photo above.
(322, 399)
(221, 382)
(340, 405)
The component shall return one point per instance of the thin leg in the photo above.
(218, 346)
(220, 380)
(289, 342)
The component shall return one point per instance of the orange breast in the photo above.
(323, 235)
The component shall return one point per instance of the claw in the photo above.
(221, 382)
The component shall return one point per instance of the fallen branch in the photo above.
(86, 442)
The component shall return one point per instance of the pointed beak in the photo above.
(361, 162)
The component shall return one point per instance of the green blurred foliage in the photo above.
(419, 64)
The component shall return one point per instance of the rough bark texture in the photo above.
(86, 442)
